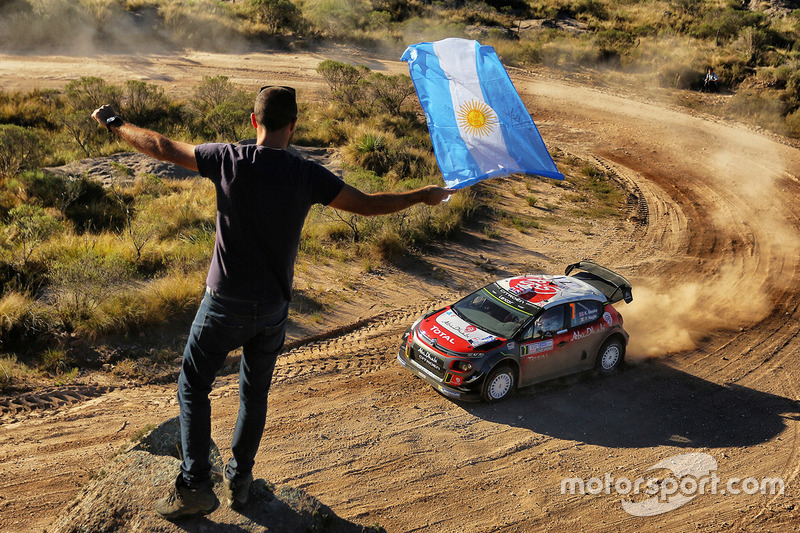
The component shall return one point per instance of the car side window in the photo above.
(549, 321)
(581, 313)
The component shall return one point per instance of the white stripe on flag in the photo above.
(484, 142)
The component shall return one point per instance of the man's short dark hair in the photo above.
(275, 107)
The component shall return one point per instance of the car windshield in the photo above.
(485, 311)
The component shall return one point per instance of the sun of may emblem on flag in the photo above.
(476, 118)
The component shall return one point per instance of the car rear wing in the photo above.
(613, 286)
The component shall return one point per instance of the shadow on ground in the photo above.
(122, 496)
(650, 404)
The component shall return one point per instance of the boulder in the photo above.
(121, 498)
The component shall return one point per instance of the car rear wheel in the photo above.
(610, 356)
(499, 384)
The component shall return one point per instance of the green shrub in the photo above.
(90, 207)
(86, 133)
(389, 92)
(370, 151)
(17, 316)
(54, 360)
(29, 226)
(724, 25)
(583, 9)
(84, 278)
(33, 109)
(144, 104)
(336, 17)
(758, 107)
(793, 123)
(20, 149)
(343, 80)
(221, 109)
(90, 92)
(613, 44)
(277, 15)
(203, 24)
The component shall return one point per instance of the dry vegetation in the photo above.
(662, 43)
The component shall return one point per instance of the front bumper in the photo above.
(471, 394)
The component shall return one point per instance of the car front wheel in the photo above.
(610, 356)
(499, 384)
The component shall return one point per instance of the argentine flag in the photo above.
(478, 124)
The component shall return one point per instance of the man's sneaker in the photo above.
(236, 492)
(183, 501)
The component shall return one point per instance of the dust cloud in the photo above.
(667, 318)
(68, 27)
(752, 250)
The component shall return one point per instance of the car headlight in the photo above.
(462, 366)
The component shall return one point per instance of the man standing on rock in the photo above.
(263, 196)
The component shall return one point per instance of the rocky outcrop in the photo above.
(782, 6)
(121, 498)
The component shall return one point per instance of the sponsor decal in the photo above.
(607, 317)
(508, 298)
(436, 330)
(541, 289)
(427, 357)
(535, 348)
(454, 380)
(463, 329)
(581, 334)
(448, 392)
(511, 345)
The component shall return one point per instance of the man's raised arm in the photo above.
(147, 141)
(382, 203)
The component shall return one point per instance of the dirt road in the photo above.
(714, 327)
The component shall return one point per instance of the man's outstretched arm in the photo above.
(382, 203)
(149, 142)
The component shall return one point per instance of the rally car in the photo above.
(520, 331)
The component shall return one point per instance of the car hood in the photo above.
(452, 332)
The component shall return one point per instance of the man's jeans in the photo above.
(221, 325)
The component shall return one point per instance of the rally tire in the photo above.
(499, 384)
(610, 357)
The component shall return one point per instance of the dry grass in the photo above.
(15, 307)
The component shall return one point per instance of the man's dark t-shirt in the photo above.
(263, 197)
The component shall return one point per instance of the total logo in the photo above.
(443, 334)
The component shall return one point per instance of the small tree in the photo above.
(90, 92)
(29, 226)
(141, 225)
(221, 108)
(276, 14)
(343, 80)
(84, 132)
(83, 279)
(389, 92)
(20, 149)
(144, 104)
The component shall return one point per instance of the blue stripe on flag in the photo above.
(455, 160)
(463, 73)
